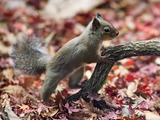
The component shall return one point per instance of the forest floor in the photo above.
(133, 85)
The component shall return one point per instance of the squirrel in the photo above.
(29, 57)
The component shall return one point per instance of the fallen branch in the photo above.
(138, 48)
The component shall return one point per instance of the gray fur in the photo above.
(74, 54)
(28, 55)
(75, 78)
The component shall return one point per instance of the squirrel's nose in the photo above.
(114, 34)
(117, 33)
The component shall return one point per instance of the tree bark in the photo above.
(138, 48)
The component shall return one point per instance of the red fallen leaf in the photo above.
(111, 91)
(69, 25)
(88, 67)
(132, 76)
(119, 99)
(58, 98)
(129, 78)
(61, 96)
(144, 88)
(6, 14)
(65, 93)
(34, 19)
(38, 4)
(148, 89)
(129, 62)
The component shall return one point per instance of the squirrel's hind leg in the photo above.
(50, 84)
(75, 78)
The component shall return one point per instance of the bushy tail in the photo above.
(28, 55)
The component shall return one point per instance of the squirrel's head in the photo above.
(104, 29)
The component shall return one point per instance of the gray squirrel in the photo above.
(69, 61)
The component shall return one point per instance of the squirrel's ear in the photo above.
(95, 24)
(99, 16)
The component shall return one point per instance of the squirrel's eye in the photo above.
(106, 29)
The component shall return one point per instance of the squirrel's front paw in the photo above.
(104, 59)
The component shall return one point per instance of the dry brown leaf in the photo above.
(8, 73)
(28, 81)
(14, 90)
(18, 90)
(52, 112)
(90, 109)
(10, 113)
(132, 88)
